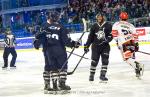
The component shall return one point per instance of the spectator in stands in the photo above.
(78, 9)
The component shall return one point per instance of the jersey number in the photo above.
(55, 36)
(125, 32)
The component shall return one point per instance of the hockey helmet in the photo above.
(54, 16)
(123, 16)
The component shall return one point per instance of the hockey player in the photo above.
(126, 37)
(40, 40)
(46, 73)
(99, 36)
(55, 39)
(10, 43)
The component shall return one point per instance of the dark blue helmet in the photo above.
(54, 16)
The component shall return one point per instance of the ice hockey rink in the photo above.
(27, 80)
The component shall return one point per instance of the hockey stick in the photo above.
(81, 56)
(70, 73)
(144, 52)
(85, 29)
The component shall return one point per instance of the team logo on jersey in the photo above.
(54, 27)
(100, 34)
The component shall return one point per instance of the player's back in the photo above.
(123, 31)
(53, 33)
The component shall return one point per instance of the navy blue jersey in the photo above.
(55, 37)
(56, 34)
(100, 33)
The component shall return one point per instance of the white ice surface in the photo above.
(27, 81)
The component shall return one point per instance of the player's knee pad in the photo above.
(15, 55)
(105, 61)
(5, 56)
(46, 75)
(94, 63)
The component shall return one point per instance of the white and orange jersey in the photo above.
(123, 32)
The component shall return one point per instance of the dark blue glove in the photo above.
(36, 44)
(76, 44)
(86, 49)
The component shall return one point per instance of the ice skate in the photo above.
(56, 89)
(4, 68)
(91, 78)
(12, 67)
(48, 90)
(139, 69)
(103, 79)
(64, 88)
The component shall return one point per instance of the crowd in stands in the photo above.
(111, 8)
(138, 11)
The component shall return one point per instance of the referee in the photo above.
(9, 48)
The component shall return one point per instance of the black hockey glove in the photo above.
(133, 48)
(76, 44)
(36, 44)
(86, 49)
